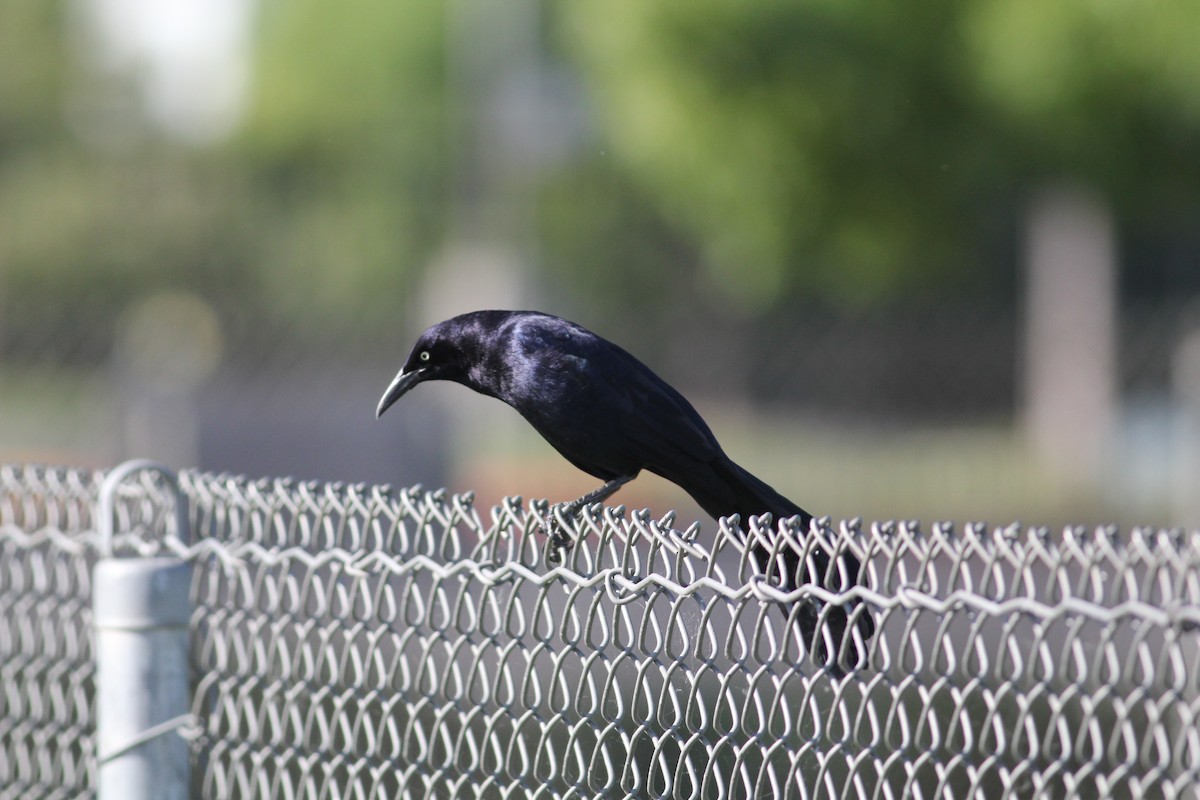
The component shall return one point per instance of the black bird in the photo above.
(611, 416)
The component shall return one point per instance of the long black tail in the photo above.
(752, 497)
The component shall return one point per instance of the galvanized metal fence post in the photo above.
(141, 610)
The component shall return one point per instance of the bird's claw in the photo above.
(559, 541)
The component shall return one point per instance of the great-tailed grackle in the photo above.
(611, 416)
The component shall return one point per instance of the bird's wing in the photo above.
(661, 426)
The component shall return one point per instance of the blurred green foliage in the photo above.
(860, 149)
(318, 210)
(768, 152)
(348, 138)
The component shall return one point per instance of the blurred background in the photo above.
(936, 261)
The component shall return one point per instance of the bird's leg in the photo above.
(559, 540)
(599, 495)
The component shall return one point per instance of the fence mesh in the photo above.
(354, 641)
(46, 672)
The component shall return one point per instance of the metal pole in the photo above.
(141, 613)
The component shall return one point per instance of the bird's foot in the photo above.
(559, 542)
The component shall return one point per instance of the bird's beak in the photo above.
(403, 382)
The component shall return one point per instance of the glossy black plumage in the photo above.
(611, 416)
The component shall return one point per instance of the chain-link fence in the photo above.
(352, 641)
(46, 672)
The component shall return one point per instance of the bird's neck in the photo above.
(488, 373)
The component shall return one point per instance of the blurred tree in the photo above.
(318, 211)
(82, 235)
(347, 138)
(862, 149)
(83, 230)
(1104, 93)
(31, 70)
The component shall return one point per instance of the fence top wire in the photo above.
(1100, 572)
(917, 580)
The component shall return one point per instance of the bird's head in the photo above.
(437, 355)
(462, 349)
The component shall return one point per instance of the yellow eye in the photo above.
(424, 355)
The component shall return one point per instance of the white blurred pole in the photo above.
(168, 345)
(1070, 404)
(141, 613)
